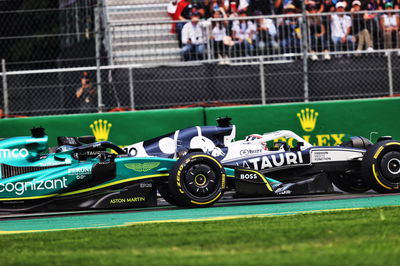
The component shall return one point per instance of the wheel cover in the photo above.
(390, 166)
(393, 166)
(201, 180)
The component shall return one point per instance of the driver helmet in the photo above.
(64, 148)
(253, 137)
(281, 145)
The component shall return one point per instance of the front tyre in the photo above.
(197, 180)
(381, 166)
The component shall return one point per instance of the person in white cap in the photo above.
(193, 38)
(341, 29)
(360, 29)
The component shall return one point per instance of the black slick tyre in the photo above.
(350, 183)
(381, 166)
(197, 180)
(163, 189)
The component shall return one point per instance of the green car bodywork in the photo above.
(77, 177)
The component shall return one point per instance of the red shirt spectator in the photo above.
(179, 8)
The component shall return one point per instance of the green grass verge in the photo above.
(361, 237)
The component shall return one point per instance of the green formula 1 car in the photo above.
(83, 174)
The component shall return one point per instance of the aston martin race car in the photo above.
(83, 174)
(355, 166)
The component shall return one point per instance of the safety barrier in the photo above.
(321, 123)
(122, 128)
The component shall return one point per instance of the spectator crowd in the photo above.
(224, 27)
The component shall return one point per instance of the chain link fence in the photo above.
(49, 34)
(116, 32)
(116, 88)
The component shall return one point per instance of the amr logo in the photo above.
(308, 119)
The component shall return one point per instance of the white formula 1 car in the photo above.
(355, 166)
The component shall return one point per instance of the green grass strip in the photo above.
(359, 237)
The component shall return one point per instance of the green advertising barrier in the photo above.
(320, 123)
(121, 128)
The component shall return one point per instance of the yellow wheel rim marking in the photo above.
(378, 152)
(392, 143)
(200, 184)
(209, 157)
(204, 203)
(377, 179)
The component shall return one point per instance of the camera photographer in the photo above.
(86, 95)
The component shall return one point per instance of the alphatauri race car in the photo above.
(262, 161)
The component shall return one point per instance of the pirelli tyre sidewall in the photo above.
(197, 180)
(381, 166)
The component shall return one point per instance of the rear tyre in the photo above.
(163, 189)
(197, 180)
(381, 166)
(350, 183)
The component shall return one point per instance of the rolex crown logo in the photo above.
(308, 119)
(101, 129)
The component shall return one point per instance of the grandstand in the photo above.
(134, 38)
(134, 62)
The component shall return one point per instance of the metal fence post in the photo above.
(209, 48)
(262, 81)
(390, 73)
(98, 63)
(131, 95)
(5, 89)
(107, 32)
(305, 51)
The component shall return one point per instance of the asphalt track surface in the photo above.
(227, 209)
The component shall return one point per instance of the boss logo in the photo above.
(248, 176)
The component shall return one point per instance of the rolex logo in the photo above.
(308, 119)
(101, 129)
